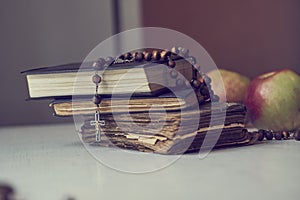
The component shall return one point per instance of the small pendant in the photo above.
(97, 123)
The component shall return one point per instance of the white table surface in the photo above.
(50, 162)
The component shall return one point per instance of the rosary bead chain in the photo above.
(99, 64)
(277, 135)
(171, 64)
(196, 82)
(96, 78)
(200, 81)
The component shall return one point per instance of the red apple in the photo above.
(273, 101)
(235, 85)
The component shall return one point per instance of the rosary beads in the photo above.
(278, 135)
(99, 65)
(200, 82)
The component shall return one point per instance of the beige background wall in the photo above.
(40, 33)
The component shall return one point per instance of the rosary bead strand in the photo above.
(96, 79)
(200, 81)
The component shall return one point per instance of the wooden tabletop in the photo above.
(50, 162)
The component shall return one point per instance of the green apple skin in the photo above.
(235, 85)
(273, 101)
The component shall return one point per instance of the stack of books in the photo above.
(143, 112)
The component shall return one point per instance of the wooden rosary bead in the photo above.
(128, 56)
(207, 79)
(173, 73)
(245, 131)
(285, 135)
(139, 56)
(109, 60)
(165, 54)
(175, 50)
(97, 99)
(122, 57)
(134, 55)
(147, 56)
(96, 79)
(195, 83)
(156, 55)
(215, 98)
(183, 52)
(261, 135)
(268, 135)
(192, 60)
(297, 135)
(278, 135)
(171, 64)
(99, 63)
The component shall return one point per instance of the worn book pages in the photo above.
(168, 139)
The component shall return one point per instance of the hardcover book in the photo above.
(138, 78)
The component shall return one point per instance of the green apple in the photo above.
(273, 101)
(235, 85)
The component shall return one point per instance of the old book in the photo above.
(84, 106)
(172, 137)
(141, 78)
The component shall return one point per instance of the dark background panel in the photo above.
(251, 37)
